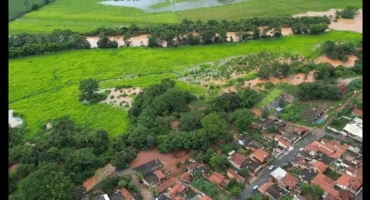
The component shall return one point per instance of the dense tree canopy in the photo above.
(89, 88)
(318, 90)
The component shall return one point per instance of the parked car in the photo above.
(255, 187)
(271, 167)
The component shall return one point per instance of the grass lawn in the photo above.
(338, 124)
(275, 93)
(17, 7)
(35, 93)
(210, 189)
(86, 15)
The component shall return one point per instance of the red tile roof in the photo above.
(176, 190)
(238, 158)
(345, 195)
(185, 177)
(344, 180)
(326, 183)
(194, 165)
(260, 155)
(357, 172)
(206, 198)
(216, 178)
(336, 144)
(300, 160)
(159, 174)
(300, 130)
(265, 186)
(289, 180)
(357, 112)
(319, 165)
(168, 183)
(126, 194)
(284, 142)
(355, 184)
(235, 175)
(329, 197)
(326, 148)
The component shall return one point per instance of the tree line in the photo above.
(24, 44)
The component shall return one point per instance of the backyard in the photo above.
(275, 93)
(332, 174)
(210, 189)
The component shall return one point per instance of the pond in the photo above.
(146, 5)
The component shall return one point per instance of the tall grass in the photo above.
(85, 15)
(36, 93)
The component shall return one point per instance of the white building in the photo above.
(354, 129)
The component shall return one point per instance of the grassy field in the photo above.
(17, 7)
(85, 15)
(275, 93)
(34, 92)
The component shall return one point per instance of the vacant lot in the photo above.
(85, 15)
(36, 93)
(275, 93)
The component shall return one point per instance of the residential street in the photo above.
(279, 163)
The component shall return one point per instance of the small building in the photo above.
(176, 191)
(284, 143)
(126, 194)
(160, 174)
(318, 166)
(147, 171)
(350, 155)
(185, 177)
(290, 137)
(193, 166)
(253, 166)
(312, 115)
(327, 184)
(307, 175)
(233, 174)
(354, 129)
(284, 179)
(300, 131)
(165, 185)
(248, 143)
(266, 123)
(218, 179)
(101, 197)
(272, 190)
(326, 160)
(300, 162)
(151, 180)
(357, 112)
(206, 198)
(344, 181)
(237, 160)
(261, 155)
(342, 89)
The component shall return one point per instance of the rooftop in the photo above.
(126, 194)
(356, 171)
(186, 177)
(149, 167)
(326, 159)
(115, 196)
(300, 160)
(176, 190)
(216, 178)
(307, 175)
(238, 158)
(274, 191)
(194, 165)
(151, 179)
(278, 173)
(252, 164)
(300, 130)
(351, 154)
(345, 195)
(318, 165)
(159, 174)
(264, 187)
(289, 180)
(246, 139)
(260, 155)
(168, 183)
(336, 144)
(206, 198)
(357, 112)
(284, 142)
(344, 180)
(237, 176)
(326, 183)
(353, 129)
(269, 123)
(255, 144)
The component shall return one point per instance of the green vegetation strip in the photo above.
(36, 93)
(85, 15)
(275, 93)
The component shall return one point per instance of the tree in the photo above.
(47, 183)
(214, 126)
(27, 3)
(77, 192)
(317, 191)
(127, 39)
(122, 159)
(243, 118)
(287, 197)
(265, 113)
(190, 121)
(235, 191)
(244, 172)
(249, 98)
(47, 1)
(305, 188)
(219, 162)
(178, 164)
(89, 88)
(104, 42)
(35, 6)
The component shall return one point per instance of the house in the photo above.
(272, 190)
(218, 179)
(307, 175)
(176, 191)
(300, 131)
(233, 174)
(284, 143)
(354, 129)
(290, 137)
(336, 144)
(237, 160)
(185, 177)
(326, 160)
(284, 179)
(300, 161)
(344, 181)
(253, 166)
(269, 136)
(160, 175)
(266, 123)
(318, 166)
(116, 196)
(165, 185)
(354, 171)
(326, 183)
(260, 155)
(248, 143)
(320, 148)
(350, 155)
(206, 198)
(101, 197)
(345, 195)
(342, 89)
(193, 166)
(147, 171)
(357, 112)
(312, 115)
(126, 194)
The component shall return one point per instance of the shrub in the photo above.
(35, 6)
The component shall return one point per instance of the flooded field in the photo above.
(169, 5)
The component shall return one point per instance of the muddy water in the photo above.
(136, 41)
(342, 24)
(350, 62)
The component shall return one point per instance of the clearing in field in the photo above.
(274, 94)
(87, 15)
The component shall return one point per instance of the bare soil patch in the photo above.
(175, 124)
(256, 111)
(121, 97)
(13, 167)
(168, 160)
(100, 174)
(350, 62)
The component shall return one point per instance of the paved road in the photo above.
(264, 176)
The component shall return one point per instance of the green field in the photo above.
(86, 15)
(17, 7)
(275, 93)
(34, 92)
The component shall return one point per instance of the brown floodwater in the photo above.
(350, 62)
